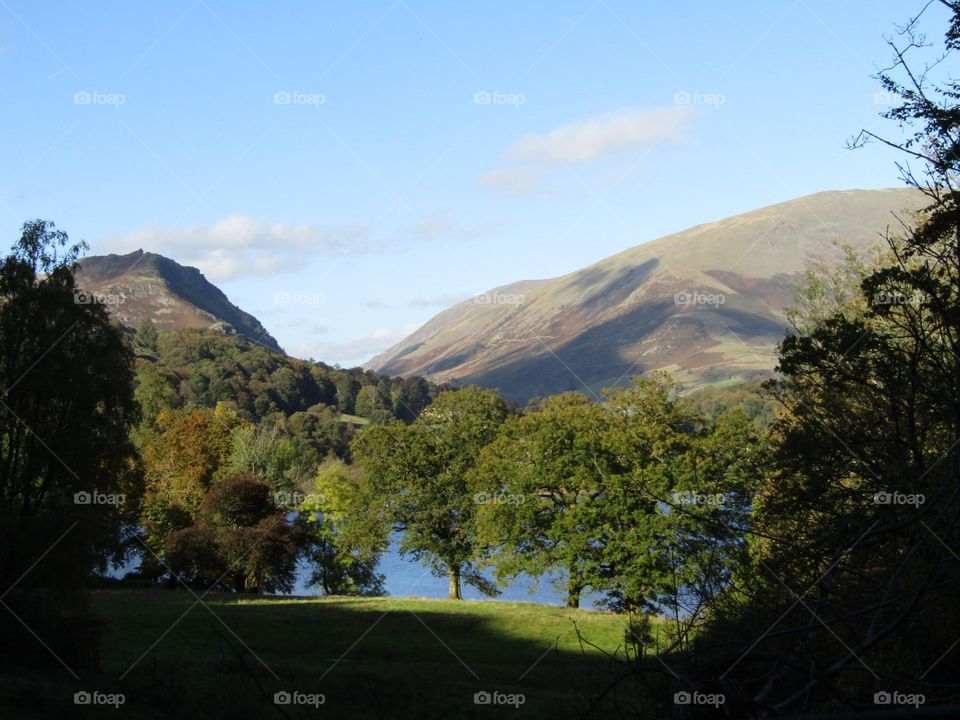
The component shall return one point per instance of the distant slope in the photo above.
(141, 285)
(706, 304)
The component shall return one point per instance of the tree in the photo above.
(286, 385)
(269, 453)
(374, 402)
(413, 398)
(540, 480)
(343, 541)
(326, 391)
(67, 467)
(190, 451)
(347, 389)
(854, 555)
(419, 478)
(383, 402)
(749, 397)
(156, 391)
(365, 403)
(147, 334)
(673, 521)
(241, 535)
(320, 427)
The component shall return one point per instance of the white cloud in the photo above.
(240, 246)
(586, 141)
(439, 226)
(357, 350)
(530, 158)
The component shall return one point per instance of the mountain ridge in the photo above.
(706, 304)
(140, 285)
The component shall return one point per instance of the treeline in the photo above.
(614, 495)
(569, 484)
(231, 435)
(191, 368)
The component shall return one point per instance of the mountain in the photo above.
(706, 304)
(146, 285)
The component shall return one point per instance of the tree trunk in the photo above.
(455, 593)
(574, 589)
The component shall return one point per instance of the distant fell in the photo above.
(142, 285)
(706, 304)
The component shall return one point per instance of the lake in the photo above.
(405, 577)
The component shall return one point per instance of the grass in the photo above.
(353, 419)
(369, 657)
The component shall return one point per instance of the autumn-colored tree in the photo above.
(240, 536)
(190, 450)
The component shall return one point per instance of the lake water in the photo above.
(405, 577)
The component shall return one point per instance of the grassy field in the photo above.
(369, 657)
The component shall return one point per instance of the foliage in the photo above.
(147, 335)
(748, 397)
(419, 479)
(68, 474)
(539, 484)
(199, 369)
(344, 541)
(189, 451)
(853, 557)
(240, 535)
(673, 520)
(270, 454)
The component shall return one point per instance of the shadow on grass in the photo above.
(367, 657)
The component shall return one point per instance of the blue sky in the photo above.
(344, 171)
